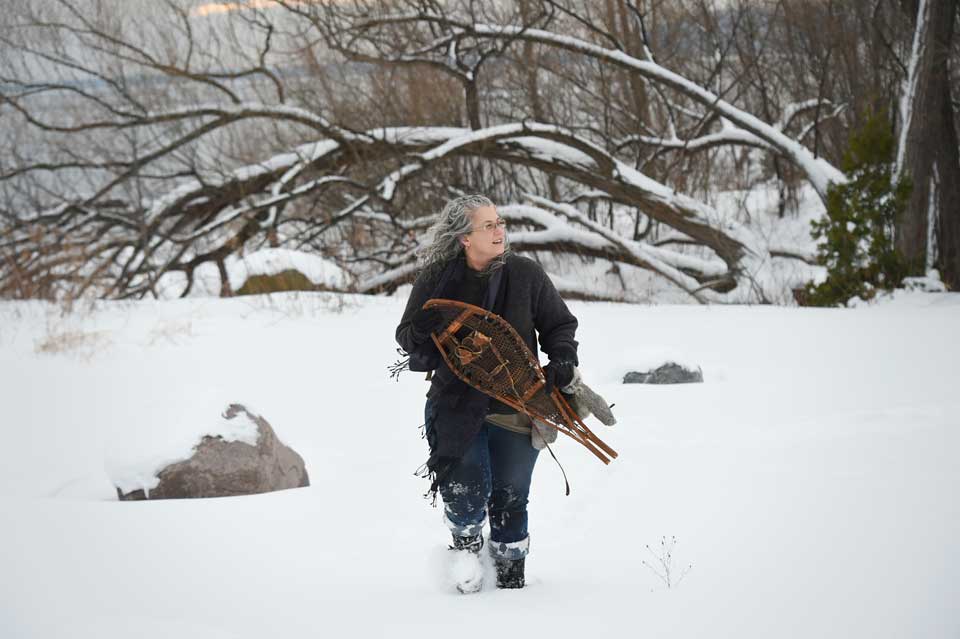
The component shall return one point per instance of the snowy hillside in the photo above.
(811, 481)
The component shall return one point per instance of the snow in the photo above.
(810, 482)
(729, 135)
(793, 109)
(930, 283)
(387, 277)
(920, 291)
(558, 233)
(552, 151)
(467, 571)
(415, 135)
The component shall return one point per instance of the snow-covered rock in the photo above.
(317, 273)
(668, 373)
(274, 261)
(251, 460)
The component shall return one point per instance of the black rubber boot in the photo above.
(509, 573)
(471, 544)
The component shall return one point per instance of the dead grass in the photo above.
(298, 304)
(171, 332)
(82, 344)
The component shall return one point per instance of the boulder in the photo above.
(289, 280)
(220, 468)
(669, 373)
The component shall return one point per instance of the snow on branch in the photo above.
(819, 172)
(556, 233)
(733, 135)
(730, 136)
(216, 205)
(188, 191)
(205, 211)
(641, 254)
(565, 153)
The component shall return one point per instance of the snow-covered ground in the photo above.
(811, 481)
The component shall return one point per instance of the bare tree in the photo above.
(338, 128)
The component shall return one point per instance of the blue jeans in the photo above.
(492, 479)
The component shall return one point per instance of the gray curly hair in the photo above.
(453, 222)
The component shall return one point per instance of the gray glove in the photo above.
(541, 434)
(584, 402)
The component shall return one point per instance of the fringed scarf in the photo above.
(457, 410)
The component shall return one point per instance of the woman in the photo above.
(481, 457)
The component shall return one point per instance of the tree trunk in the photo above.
(225, 289)
(928, 235)
(633, 41)
(472, 98)
(531, 83)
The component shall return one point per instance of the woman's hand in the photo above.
(424, 322)
(559, 373)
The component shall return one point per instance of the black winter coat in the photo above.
(528, 300)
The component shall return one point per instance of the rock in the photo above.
(289, 280)
(271, 270)
(221, 468)
(669, 373)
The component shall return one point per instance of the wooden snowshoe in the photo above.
(487, 353)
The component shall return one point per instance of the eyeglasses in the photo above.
(489, 226)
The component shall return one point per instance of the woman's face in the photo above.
(487, 239)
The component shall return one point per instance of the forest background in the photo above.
(781, 151)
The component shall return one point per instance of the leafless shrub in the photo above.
(663, 564)
(174, 332)
(296, 304)
(82, 344)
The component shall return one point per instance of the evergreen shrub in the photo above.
(855, 242)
